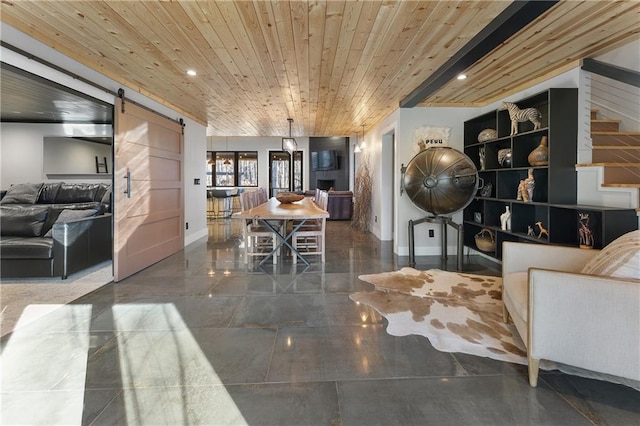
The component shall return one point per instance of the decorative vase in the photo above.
(505, 219)
(504, 157)
(540, 155)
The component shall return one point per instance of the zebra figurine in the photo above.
(518, 115)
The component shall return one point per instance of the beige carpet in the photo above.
(23, 300)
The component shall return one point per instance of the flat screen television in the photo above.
(325, 160)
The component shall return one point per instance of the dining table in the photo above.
(273, 210)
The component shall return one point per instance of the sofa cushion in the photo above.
(22, 221)
(69, 215)
(78, 206)
(102, 189)
(49, 192)
(22, 193)
(106, 201)
(26, 248)
(76, 193)
(620, 258)
(56, 209)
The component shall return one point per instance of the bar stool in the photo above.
(236, 205)
(223, 196)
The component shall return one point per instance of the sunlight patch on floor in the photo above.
(157, 350)
(61, 339)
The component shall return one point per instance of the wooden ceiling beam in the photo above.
(514, 18)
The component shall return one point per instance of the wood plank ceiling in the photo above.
(332, 66)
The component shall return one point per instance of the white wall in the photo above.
(195, 133)
(195, 167)
(262, 145)
(382, 171)
(410, 119)
(613, 99)
(22, 150)
(627, 56)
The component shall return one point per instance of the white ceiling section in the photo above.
(332, 66)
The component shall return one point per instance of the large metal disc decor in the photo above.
(441, 180)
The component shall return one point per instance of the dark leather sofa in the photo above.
(339, 205)
(54, 229)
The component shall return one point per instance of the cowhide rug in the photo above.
(457, 312)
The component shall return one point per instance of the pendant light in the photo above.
(289, 144)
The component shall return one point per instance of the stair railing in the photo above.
(615, 92)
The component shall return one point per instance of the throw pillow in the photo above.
(620, 258)
(22, 221)
(22, 193)
(69, 215)
(76, 193)
(106, 201)
(102, 189)
(49, 192)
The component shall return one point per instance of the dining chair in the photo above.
(312, 222)
(310, 238)
(258, 239)
(263, 195)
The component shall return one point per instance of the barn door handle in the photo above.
(128, 178)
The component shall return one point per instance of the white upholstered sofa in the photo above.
(575, 306)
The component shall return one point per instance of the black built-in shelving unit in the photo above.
(554, 198)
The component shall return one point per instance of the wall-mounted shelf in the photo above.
(79, 175)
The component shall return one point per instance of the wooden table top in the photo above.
(273, 209)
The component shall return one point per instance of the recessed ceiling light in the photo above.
(191, 72)
(462, 77)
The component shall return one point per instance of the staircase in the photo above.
(615, 166)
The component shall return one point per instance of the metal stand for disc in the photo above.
(444, 221)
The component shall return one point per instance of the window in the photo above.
(297, 171)
(279, 172)
(247, 169)
(229, 168)
(225, 166)
(283, 176)
(210, 156)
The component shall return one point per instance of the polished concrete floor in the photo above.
(201, 338)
